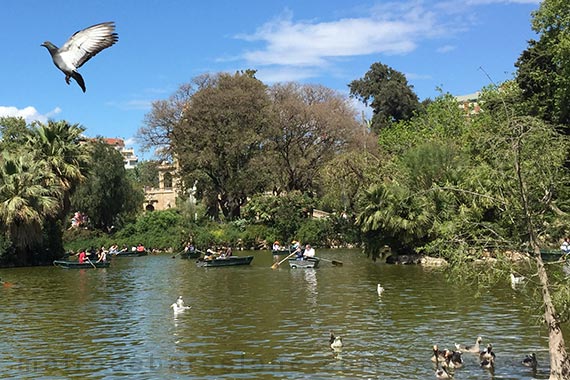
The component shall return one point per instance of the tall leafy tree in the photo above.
(544, 67)
(107, 195)
(311, 125)
(388, 93)
(13, 132)
(216, 128)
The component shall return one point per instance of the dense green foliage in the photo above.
(233, 137)
(388, 93)
(544, 67)
(107, 196)
(40, 168)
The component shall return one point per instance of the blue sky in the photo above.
(163, 44)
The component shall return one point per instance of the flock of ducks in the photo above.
(447, 361)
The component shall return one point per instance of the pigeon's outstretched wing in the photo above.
(86, 43)
(80, 47)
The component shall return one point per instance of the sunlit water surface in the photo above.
(253, 322)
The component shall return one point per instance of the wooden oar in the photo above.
(274, 266)
(93, 265)
(334, 262)
(177, 254)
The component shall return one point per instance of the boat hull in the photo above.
(76, 265)
(230, 261)
(130, 254)
(190, 255)
(312, 262)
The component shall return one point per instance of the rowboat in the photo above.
(77, 265)
(130, 254)
(190, 255)
(225, 262)
(311, 262)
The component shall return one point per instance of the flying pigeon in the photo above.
(80, 47)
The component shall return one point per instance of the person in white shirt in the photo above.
(565, 247)
(309, 252)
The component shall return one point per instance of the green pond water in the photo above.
(252, 322)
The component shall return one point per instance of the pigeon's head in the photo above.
(48, 45)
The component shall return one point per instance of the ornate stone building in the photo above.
(163, 197)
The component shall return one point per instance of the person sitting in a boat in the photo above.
(102, 255)
(210, 254)
(82, 256)
(297, 249)
(189, 248)
(114, 249)
(227, 253)
(309, 252)
(276, 246)
(565, 247)
(140, 248)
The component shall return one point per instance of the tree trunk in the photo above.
(559, 361)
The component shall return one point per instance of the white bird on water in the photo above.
(179, 306)
(380, 290)
(516, 280)
(335, 342)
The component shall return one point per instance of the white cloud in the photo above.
(271, 75)
(29, 113)
(135, 104)
(445, 48)
(285, 49)
(130, 142)
(312, 44)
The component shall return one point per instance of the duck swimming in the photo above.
(180, 301)
(516, 280)
(380, 290)
(487, 353)
(487, 358)
(438, 355)
(178, 306)
(475, 349)
(453, 359)
(335, 342)
(530, 361)
(441, 373)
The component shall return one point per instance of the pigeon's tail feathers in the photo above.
(79, 79)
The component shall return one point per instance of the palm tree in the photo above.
(57, 144)
(26, 198)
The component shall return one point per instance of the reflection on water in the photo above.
(254, 322)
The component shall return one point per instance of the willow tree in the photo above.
(496, 183)
(520, 169)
